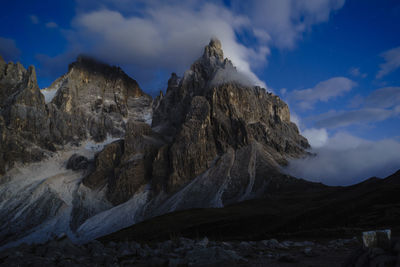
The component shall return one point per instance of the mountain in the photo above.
(93, 153)
(93, 100)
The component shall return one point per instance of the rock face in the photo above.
(24, 127)
(213, 140)
(93, 100)
(99, 97)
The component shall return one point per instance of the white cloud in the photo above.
(316, 137)
(392, 62)
(286, 20)
(169, 35)
(295, 119)
(357, 73)
(346, 159)
(364, 115)
(51, 24)
(384, 97)
(380, 105)
(8, 49)
(34, 19)
(323, 91)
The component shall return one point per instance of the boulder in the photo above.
(77, 162)
(377, 239)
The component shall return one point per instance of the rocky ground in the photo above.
(183, 252)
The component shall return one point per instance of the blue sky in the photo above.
(335, 62)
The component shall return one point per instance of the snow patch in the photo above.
(49, 94)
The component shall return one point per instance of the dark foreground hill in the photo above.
(324, 212)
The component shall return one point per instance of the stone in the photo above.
(288, 258)
(77, 162)
(203, 243)
(271, 244)
(309, 252)
(177, 262)
(379, 239)
(211, 256)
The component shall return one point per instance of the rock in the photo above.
(156, 261)
(211, 256)
(213, 141)
(92, 98)
(166, 246)
(309, 252)
(379, 239)
(245, 249)
(288, 258)
(177, 262)
(383, 260)
(105, 163)
(396, 247)
(95, 247)
(271, 244)
(203, 243)
(77, 162)
(124, 249)
(186, 242)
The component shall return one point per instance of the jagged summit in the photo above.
(85, 62)
(214, 49)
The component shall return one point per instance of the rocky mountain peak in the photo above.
(84, 62)
(214, 49)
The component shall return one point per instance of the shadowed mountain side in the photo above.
(321, 212)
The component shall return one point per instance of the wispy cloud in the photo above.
(380, 105)
(323, 91)
(360, 116)
(355, 72)
(386, 97)
(9, 49)
(316, 137)
(392, 62)
(51, 24)
(34, 19)
(287, 20)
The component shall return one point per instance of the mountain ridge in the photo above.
(210, 141)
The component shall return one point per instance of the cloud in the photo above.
(378, 106)
(346, 159)
(169, 35)
(360, 116)
(323, 91)
(34, 19)
(386, 97)
(392, 62)
(357, 73)
(8, 49)
(316, 137)
(286, 20)
(51, 24)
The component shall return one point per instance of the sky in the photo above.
(335, 62)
